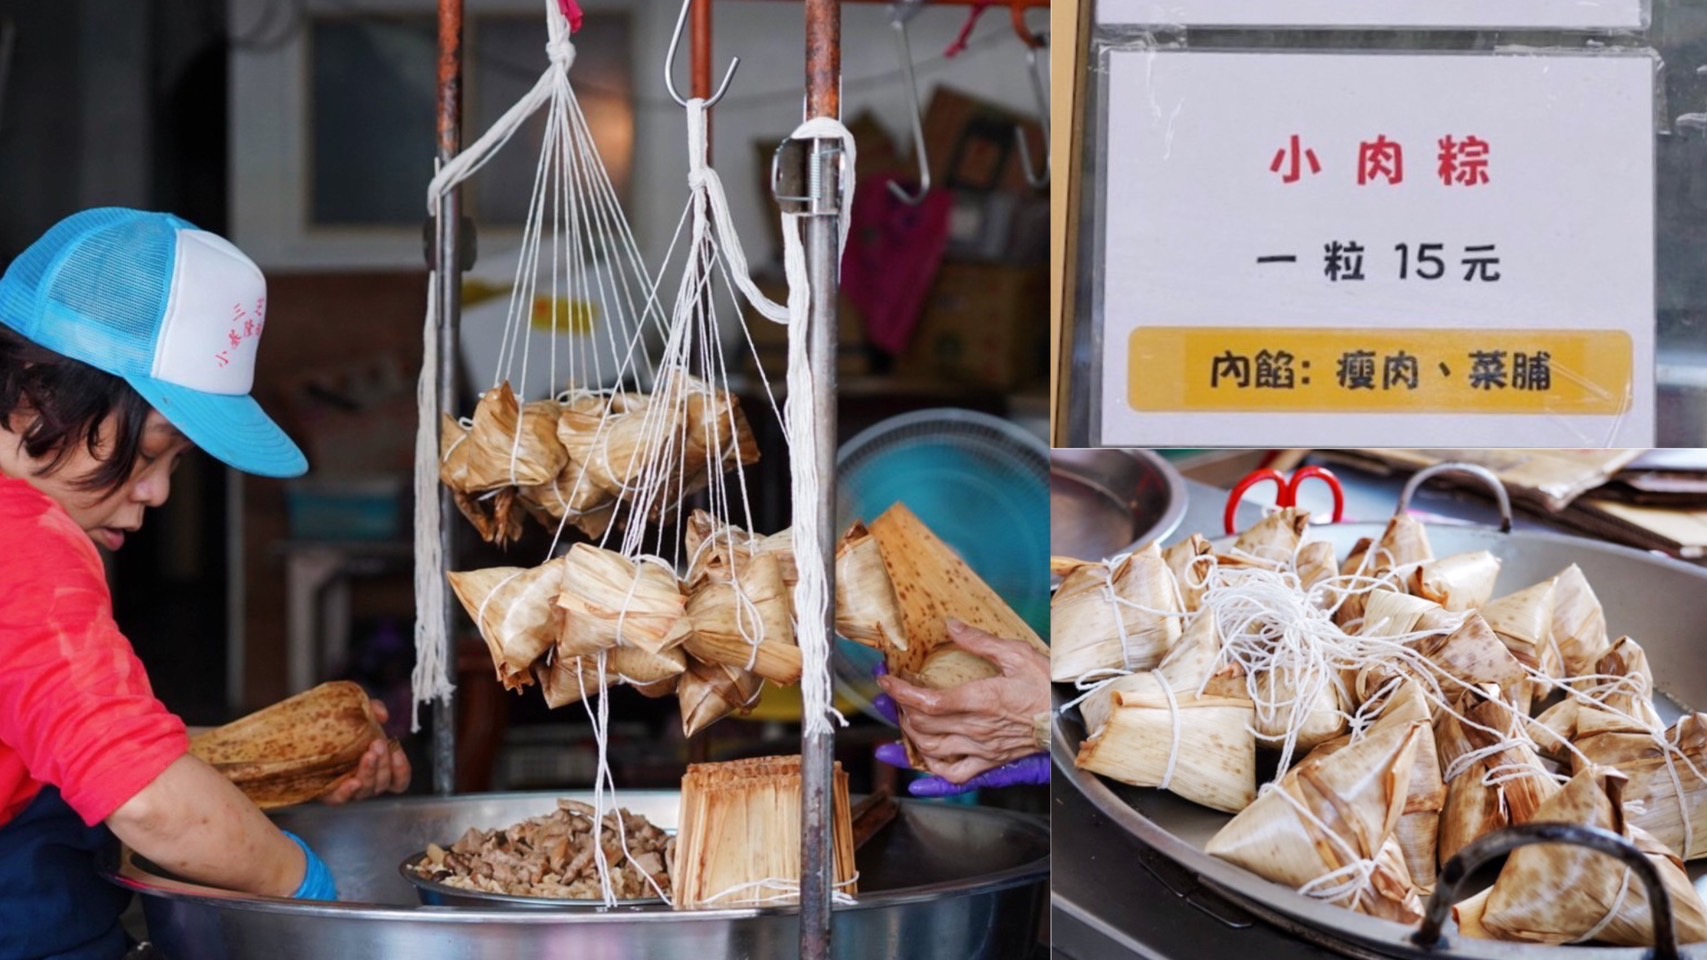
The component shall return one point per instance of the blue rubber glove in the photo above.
(1026, 771)
(317, 882)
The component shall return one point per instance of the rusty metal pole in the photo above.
(699, 745)
(702, 49)
(823, 256)
(448, 264)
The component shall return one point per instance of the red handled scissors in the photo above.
(1286, 491)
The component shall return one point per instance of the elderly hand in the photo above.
(976, 727)
(384, 769)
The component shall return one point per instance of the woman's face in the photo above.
(107, 516)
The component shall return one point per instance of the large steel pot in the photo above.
(1660, 602)
(941, 881)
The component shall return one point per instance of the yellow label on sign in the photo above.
(1301, 370)
(576, 317)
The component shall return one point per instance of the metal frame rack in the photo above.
(811, 172)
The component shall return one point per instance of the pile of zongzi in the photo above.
(589, 460)
(594, 618)
(1411, 712)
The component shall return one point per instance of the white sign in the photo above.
(1381, 14)
(1348, 249)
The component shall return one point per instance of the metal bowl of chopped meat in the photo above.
(547, 862)
(435, 894)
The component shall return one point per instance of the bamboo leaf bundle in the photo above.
(741, 617)
(1316, 564)
(1189, 562)
(1463, 581)
(1273, 541)
(933, 587)
(1121, 615)
(1186, 668)
(1504, 788)
(1418, 829)
(516, 612)
(717, 432)
(738, 838)
(1664, 793)
(570, 494)
(1199, 748)
(615, 445)
(1385, 564)
(1317, 717)
(1328, 826)
(1579, 623)
(708, 692)
(1524, 623)
(1554, 894)
(1460, 646)
(510, 445)
(569, 680)
(296, 750)
(705, 537)
(610, 600)
(867, 611)
(1616, 698)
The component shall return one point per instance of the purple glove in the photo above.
(884, 704)
(1026, 771)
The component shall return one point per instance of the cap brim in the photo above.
(231, 428)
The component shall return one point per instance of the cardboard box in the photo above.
(971, 144)
(983, 325)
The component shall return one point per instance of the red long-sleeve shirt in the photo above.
(76, 709)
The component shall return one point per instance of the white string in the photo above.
(788, 891)
(1611, 912)
(1092, 682)
(430, 677)
(1336, 885)
(1174, 730)
(811, 591)
(1497, 774)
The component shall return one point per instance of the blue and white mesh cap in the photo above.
(176, 311)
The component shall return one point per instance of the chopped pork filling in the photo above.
(553, 856)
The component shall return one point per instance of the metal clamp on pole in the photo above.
(806, 177)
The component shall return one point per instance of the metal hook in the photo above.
(1037, 68)
(899, 14)
(670, 64)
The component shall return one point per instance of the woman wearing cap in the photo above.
(126, 339)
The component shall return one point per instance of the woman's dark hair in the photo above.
(69, 400)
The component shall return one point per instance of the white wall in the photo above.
(764, 102)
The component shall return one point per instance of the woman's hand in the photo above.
(979, 726)
(384, 769)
